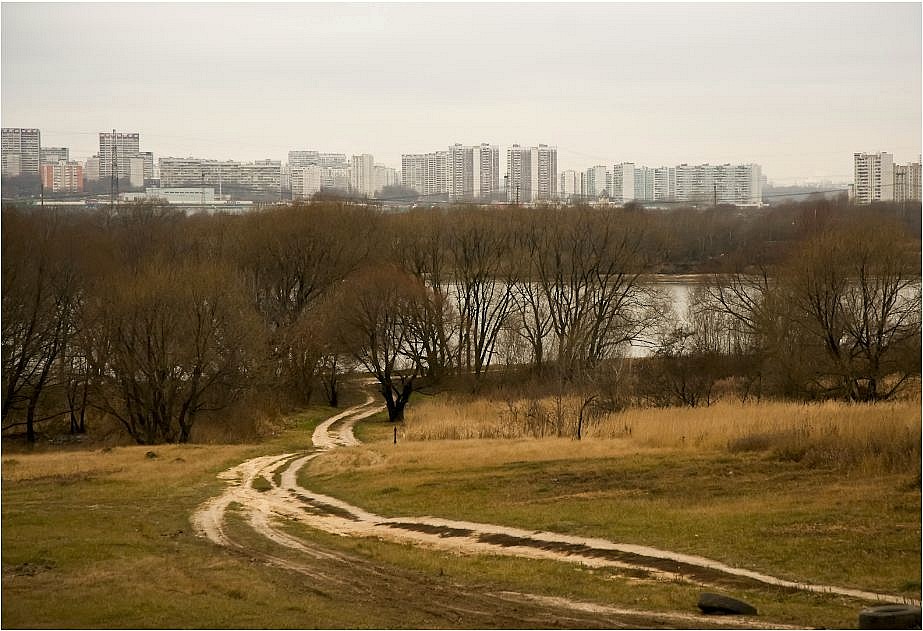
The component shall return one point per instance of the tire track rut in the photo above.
(267, 510)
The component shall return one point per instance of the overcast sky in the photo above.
(796, 88)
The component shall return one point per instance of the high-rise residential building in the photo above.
(384, 176)
(20, 151)
(907, 182)
(91, 168)
(362, 177)
(136, 171)
(62, 177)
(644, 184)
(874, 177)
(305, 181)
(53, 155)
(571, 185)
(486, 170)
(413, 169)
(597, 181)
(303, 158)
(335, 160)
(262, 177)
(436, 174)
(308, 157)
(473, 172)
(545, 178)
(623, 183)
(118, 147)
(148, 158)
(532, 173)
(426, 173)
(743, 184)
(519, 175)
(695, 183)
(737, 184)
(664, 184)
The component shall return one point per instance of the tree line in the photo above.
(156, 320)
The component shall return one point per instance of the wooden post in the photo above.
(395, 434)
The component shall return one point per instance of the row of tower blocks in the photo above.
(459, 173)
(473, 173)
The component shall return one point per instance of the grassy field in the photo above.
(101, 538)
(827, 493)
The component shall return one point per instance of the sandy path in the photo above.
(288, 500)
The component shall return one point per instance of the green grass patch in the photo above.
(783, 519)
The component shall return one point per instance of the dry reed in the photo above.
(876, 437)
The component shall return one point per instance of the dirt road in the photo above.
(281, 498)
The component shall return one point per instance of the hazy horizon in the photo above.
(796, 88)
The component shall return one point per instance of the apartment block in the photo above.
(426, 173)
(53, 155)
(413, 168)
(907, 182)
(62, 177)
(117, 148)
(644, 184)
(598, 181)
(20, 151)
(362, 176)
(874, 177)
(91, 168)
(664, 184)
(571, 184)
(305, 181)
(623, 183)
(532, 173)
(307, 157)
(384, 176)
(473, 172)
(263, 177)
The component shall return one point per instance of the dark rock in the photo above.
(724, 605)
(890, 617)
(150, 454)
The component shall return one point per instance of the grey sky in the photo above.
(795, 87)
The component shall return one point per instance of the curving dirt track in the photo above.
(266, 510)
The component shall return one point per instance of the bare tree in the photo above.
(854, 292)
(41, 296)
(379, 309)
(480, 247)
(590, 267)
(290, 257)
(169, 343)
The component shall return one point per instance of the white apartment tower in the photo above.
(664, 184)
(907, 182)
(21, 151)
(597, 181)
(426, 173)
(362, 177)
(519, 175)
(119, 147)
(384, 176)
(623, 183)
(91, 168)
(473, 171)
(532, 174)
(874, 177)
(413, 168)
(571, 184)
(305, 181)
(644, 184)
(53, 155)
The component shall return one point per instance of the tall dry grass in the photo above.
(874, 437)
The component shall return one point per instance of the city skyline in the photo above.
(795, 88)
